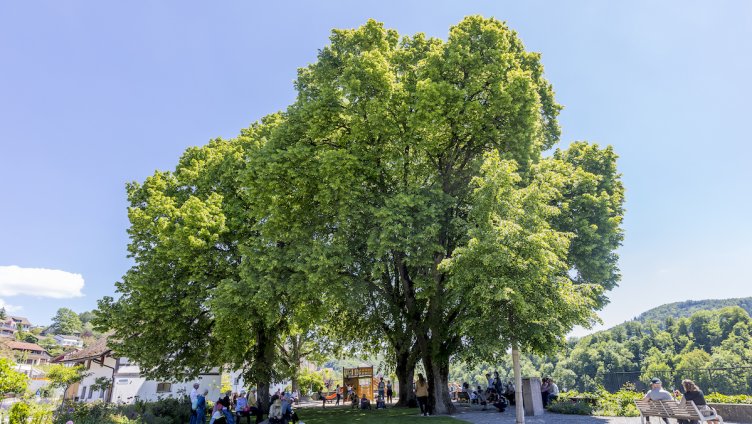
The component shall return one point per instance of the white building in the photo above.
(127, 384)
(238, 384)
(68, 340)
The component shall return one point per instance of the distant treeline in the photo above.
(713, 347)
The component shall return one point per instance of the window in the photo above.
(91, 392)
(164, 387)
(83, 393)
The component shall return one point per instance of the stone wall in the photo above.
(735, 413)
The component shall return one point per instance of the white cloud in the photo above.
(11, 309)
(41, 282)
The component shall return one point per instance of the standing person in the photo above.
(339, 394)
(497, 382)
(225, 401)
(421, 392)
(198, 414)
(544, 388)
(194, 393)
(490, 382)
(656, 392)
(323, 399)
(382, 387)
(389, 391)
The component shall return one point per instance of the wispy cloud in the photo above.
(10, 308)
(42, 282)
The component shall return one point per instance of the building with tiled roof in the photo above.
(22, 323)
(127, 383)
(28, 353)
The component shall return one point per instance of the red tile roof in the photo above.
(24, 346)
(96, 350)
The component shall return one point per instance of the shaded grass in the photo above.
(342, 415)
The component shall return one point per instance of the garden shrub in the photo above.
(572, 408)
(721, 398)
(19, 413)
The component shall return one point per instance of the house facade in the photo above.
(67, 340)
(7, 327)
(126, 382)
(22, 323)
(28, 353)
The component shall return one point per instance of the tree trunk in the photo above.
(405, 371)
(262, 396)
(439, 401)
(296, 347)
(519, 406)
(294, 382)
(263, 362)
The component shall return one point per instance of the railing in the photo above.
(727, 381)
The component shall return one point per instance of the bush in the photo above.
(311, 380)
(572, 408)
(720, 398)
(164, 411)
(19, 413)
(619, 404)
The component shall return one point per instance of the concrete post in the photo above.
(531, 395)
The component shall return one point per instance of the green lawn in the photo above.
(341, 415)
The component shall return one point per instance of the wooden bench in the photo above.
(673, 409)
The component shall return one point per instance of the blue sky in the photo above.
(95, 94)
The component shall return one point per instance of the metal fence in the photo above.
(728, 381)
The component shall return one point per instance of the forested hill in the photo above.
(712, 346)
(689, 307)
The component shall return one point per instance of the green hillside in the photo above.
(707, 341)
(689, 307)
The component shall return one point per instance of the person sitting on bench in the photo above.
(657, 393)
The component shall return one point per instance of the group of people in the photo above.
(549, 391)
(385, 393)
(233, 407)
(691, 392)
(497, 393)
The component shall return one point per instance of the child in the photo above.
(380, 404)
(365, 403)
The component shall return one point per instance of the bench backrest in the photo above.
(668, 409)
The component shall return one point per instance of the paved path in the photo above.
(507, 417)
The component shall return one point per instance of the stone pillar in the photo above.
(531, 396)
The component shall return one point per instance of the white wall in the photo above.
(127, 388)
(238, 384)
(96, 371)
(129, 385)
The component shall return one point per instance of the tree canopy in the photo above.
(404, 190)
(66, 321)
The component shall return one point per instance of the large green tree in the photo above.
(405, 187)
(206, 291)
(372, 178)
(66, 321)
